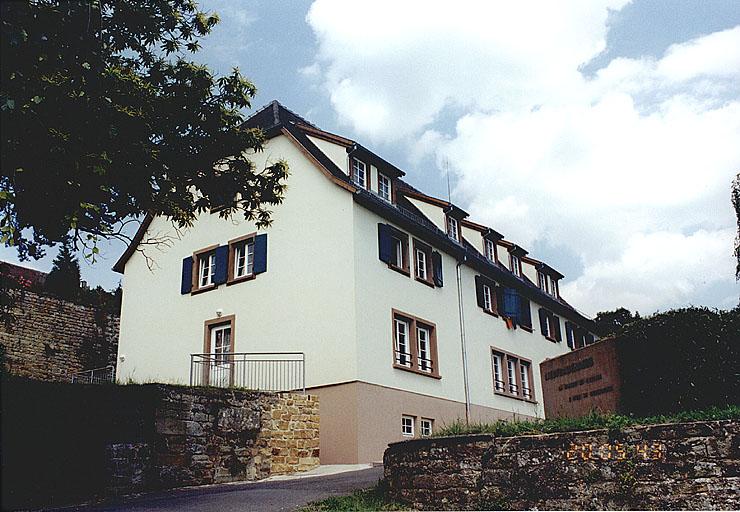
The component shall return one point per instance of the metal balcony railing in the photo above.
(102, 375)
(263, 371)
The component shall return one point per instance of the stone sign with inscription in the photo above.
(582, 381)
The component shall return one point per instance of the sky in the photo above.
(600, 135)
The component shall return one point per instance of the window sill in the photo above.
(528, 329)
(515, 397)
(424, 281)
(204, 289)
(489, 312)
(241, 279)
(549, 338)
(400, 270)
(418, 372)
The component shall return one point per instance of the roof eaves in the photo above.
(120, 265)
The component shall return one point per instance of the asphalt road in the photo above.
(261, 496)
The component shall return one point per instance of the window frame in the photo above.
(512, 390)
(412, 424)
(231, 277)
(421, 247)
(513, 258)
(364, 173)
(196, 287)
(430, 422)
(402, 239)
(381, 177)
(493, 257)
(453, 233)
(490, 298)
(413, 324)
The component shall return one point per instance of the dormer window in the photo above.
(552, 286)
(515, 265)
(384, 187)
(359, 173)
(452, 228)
(490, 249)
(542, 281)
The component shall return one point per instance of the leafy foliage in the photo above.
(104, 119)
(610, 322)
(680, 360)
(593, 421)
(64, 278)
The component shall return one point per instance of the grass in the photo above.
(365, 500)
(503, 428)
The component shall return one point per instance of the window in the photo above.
(384, 187)
(487, 298)
(512, 375)
(393, 248)
(399, 259)
(359, 173)
(423, 263)
(524, 379)
(514, 264)
(550, 325)
(424, 354)
(407, 426)
(206, 269)
(242, 258)
(403, 354)
(490, 249)
(452, 229)
(414, 345)
(426, 427)
(498, 377)
(542, 281)
(485, 291)
(552, 286)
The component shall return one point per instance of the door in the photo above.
(220, 371)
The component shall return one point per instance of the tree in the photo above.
(104, 119)
(611, 322)
(736, 204)
(64, 278)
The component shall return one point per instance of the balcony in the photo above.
(259, 371)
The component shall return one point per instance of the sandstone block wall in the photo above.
(52, 339)
(66, 443)
(677, 466)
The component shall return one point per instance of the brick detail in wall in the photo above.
(51, 338)
(697, 469)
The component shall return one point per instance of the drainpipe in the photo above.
(462, 339)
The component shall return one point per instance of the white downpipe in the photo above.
(462, 341)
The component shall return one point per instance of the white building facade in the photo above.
(406, 311)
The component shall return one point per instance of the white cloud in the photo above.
(629, 168)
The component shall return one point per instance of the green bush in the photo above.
(593, 421)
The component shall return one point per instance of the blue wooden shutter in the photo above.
(222, 264)
(556, 324)
(543, 322)
(385, 247)
(260, 253)
(525, 312)
(479, 291)
(569, 335)
(589, 338)
(511, 304)
(187, 275)
(437, 266)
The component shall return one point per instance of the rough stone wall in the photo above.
(676, 466)
(51, 339)
(211, 435)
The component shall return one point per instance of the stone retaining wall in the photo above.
(51, 339)
(66, 443)
(676, 466)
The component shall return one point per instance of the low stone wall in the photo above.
(676, 466)
(51, 339)
(66, 443)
